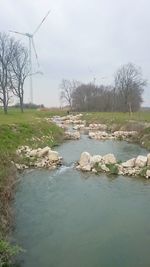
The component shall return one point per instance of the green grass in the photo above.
(7, 251)
(144, 170)
(18, 129)
(116, 117)
(29, 115)
(113, 168)
(35, 134)
(144, 138)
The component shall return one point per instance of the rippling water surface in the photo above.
(65, 218)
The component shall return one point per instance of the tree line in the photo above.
(124, 96)
(14, 69)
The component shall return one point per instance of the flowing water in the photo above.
(66, 218)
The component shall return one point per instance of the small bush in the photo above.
(113, 168)
(7, 251)
(144, 170)
(97, 167)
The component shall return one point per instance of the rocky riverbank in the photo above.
(117, 135)
(139, 166)
(94, 130)
(38, 158)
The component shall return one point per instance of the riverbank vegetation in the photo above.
(118, 118)
(30, 128)
(139, 121)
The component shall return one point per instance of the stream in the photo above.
(66, 218)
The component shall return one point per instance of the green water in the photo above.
(65, 218)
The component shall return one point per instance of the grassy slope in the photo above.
(116, 117)
(139, 121)
(29, 115)
(18, 129)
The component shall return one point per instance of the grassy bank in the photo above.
(139, 121)
(18, 129)
(116, 117)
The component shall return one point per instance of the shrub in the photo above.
(113, 168)
(144, 170)
(7, 251)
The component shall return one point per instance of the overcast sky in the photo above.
(81, 39)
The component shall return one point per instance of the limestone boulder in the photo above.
(141, 161)
(109, 159)
(53, 155)
(21, 166)
(43, 152)
(85, 161)
(129, 163)
(131, 171)
(72, 135)
(33, 153)
(148, 174)
(104, 168)
(95, 126)
(87, 168)
(92, 135)
(96, 159)
(148, 160)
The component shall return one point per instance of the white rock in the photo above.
(91, 135)
(148, 160)
(104, 168)
(87, 168)
(148, 174)
(78, 167)
(109, 159)
(33, 153)
(94, 170)
(95, 159)
(21, 166)
(85, 160)
(78, 126)
(99, 135)
(131, 171)
(72, 135)
(95, 126)
(53, 155)
(43, 152)
(129, 163)
(141, 161)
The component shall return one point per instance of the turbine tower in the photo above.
(32, 45)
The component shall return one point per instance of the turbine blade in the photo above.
(33, 44)
(18, 32)
(42, 22)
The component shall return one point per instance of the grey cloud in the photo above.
(81, 39)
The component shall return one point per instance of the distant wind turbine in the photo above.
(32, 45)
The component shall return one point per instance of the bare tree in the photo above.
(19, 72)
(91, 97)
(67, 88)
(129, 86)
(7, 48)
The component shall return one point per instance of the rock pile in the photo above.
(72, 119)
(72, 135)
(79, 127)
(100, 127)
(38, 158)
(139, 166)
(102, 135)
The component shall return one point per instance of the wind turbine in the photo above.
(32, 45)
